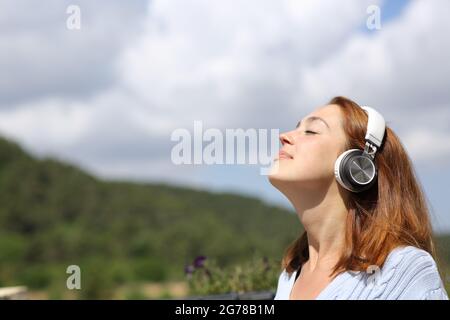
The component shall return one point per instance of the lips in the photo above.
(284, 155)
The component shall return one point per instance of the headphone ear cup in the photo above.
(355, 171)
(339, 172)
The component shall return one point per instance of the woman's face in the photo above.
(309, 151)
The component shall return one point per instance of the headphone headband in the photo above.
(376, 126)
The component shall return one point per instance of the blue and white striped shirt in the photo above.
(408, 273)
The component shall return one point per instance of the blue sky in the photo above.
(108, 96)
(392, 9)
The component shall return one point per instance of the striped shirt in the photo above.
(408, 273)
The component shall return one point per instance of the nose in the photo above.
(285, 138)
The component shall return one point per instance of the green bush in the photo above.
(37, 276)
(150, 270)
(258, 274)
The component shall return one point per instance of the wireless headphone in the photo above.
(355, 169)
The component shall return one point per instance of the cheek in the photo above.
(313, 149)
(315, 156)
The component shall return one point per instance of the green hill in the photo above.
(53, 215)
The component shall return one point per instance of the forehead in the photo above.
(330, 113)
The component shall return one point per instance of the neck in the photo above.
(323, 215)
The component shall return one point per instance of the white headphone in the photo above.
(355, 169)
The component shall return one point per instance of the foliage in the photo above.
(259, 274)
(53, 215)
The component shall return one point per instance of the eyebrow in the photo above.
(313, 118)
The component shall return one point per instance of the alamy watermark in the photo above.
(374, 19)
(74, 280)
(73, 21)
(234, 146)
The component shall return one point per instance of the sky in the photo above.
(108, 96)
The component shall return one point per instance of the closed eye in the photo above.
(310, 132)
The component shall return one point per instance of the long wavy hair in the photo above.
(392, 213)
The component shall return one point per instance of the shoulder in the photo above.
(403, 255)
(411, 273)
(285, 278)
(410, 258)
(284, 285)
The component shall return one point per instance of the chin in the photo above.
(277, 178)
(274, 173)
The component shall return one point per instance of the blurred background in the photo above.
(90, 92)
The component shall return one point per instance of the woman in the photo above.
(367, 227)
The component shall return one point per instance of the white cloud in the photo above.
(232, 64)
(211, 61)
(48, 124)
(40, 58)
(403, 65)
(427, 145)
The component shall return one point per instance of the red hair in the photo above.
(391, 213)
